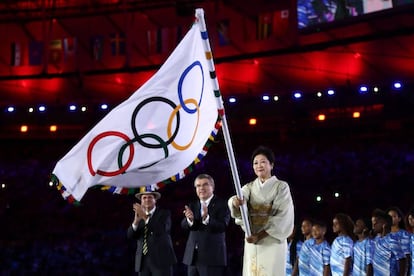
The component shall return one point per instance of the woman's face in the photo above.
(395, 218)
(262, 167)
(336, 226)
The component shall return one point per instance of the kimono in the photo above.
(270, 208)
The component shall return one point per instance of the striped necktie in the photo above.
(145, 244)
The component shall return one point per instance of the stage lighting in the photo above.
(297, 95)
(265, 98)
(104, 106)
(232, 100)
(24, 128)
(42, 108)
(10, 109)
(397, 85)
(72, 107)
(276, 98)
(331, 92)
(363, 89)
(83, 108)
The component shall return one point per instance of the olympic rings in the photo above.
(180, 85)
(173, 143)
(135, 113)
(122, 149)
(139, 138)
(122, 169)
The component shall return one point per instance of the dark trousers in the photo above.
(149, 269)
(197, 269)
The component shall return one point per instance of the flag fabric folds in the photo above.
(153, 136)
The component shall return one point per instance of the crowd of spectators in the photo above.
(44, 235)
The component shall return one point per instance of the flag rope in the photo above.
(199, 14)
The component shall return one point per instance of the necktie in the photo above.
(145, 244)
(203, 206)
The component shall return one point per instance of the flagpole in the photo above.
(199, 14)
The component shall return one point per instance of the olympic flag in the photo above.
(160, 130)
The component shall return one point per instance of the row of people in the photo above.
(379, 246)
(271, 218)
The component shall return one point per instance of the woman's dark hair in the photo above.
(409, 213)
(401, 224)
(266, 152)
(347, 224)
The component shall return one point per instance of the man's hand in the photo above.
(188, 213)
(139, 213)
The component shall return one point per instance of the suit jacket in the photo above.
(160, 246)
(210, 239)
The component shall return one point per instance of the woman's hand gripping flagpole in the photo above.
(199, 14)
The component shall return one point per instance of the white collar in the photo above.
(207, 201)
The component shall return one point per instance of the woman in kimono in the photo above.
(271, 216)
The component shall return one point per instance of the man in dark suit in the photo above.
(206, 219)
(151, 227)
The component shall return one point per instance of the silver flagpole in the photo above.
(199, 14)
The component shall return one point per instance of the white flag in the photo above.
(155, 134)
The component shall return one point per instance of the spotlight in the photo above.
(276, 98)
(24, 128)
(321, 117)
(232, 100)
(397, 85)
(331, 92)
(104, 106)
(252, 121)
(319, 94)
(10, 109)
(318, 198)
(265, 98)
(297, 95)
(336, 194)
(72, 107)
(363, 89)
(83, 108)
(31, 109)
(42, 108)
(376, 89)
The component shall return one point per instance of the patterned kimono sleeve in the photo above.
(280, 223)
